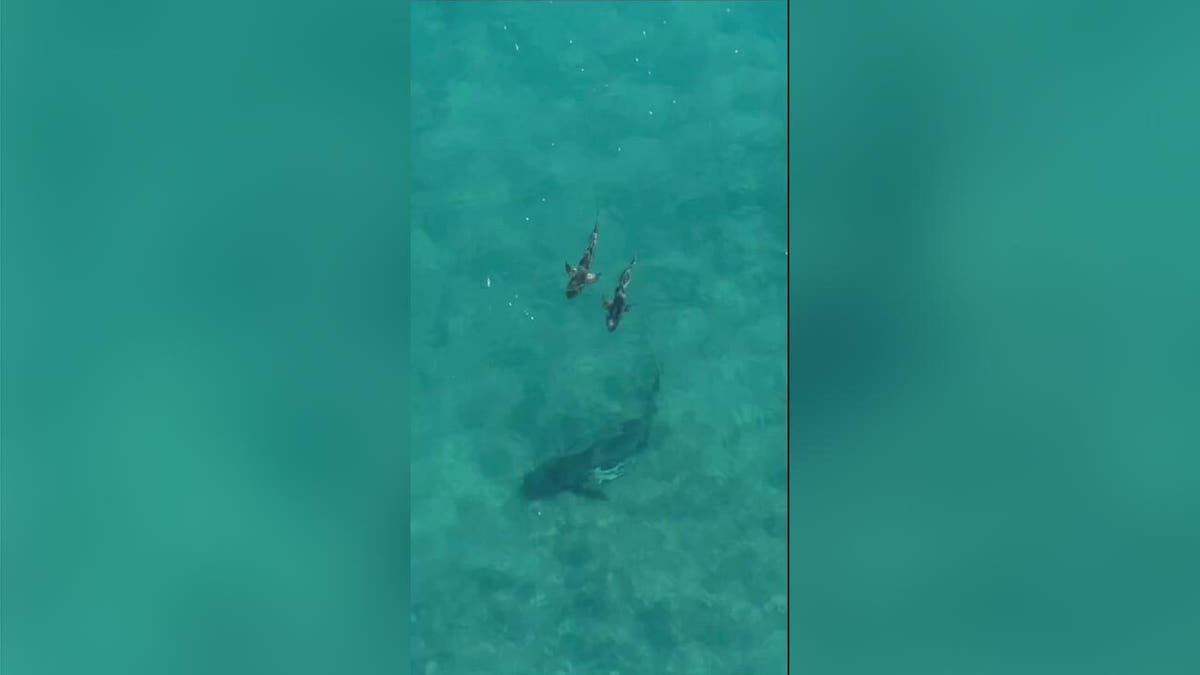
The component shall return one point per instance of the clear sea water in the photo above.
(666, 124)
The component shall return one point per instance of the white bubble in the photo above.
(518, 47)
(643, 33)
(651, 112)
(527, 219)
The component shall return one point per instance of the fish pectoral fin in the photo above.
(590, 492)
(570, 270)
(606, 302)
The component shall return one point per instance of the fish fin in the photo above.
(606, 302)
(590, 492)
(570, 270)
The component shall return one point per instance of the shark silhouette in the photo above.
(584, 471)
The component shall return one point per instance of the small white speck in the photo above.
(648, 72)
(618, 148)
(636, 59)
(518, 47)
(527, 219)
(664, 22)
(643, 33)
(581, 69)
(487, 282)
(571, 42)
(726, 10)
(543, 200)
(552, 144)
(506, 25)
(510, 303)
(606, 85)
(651, 112)
(735, 50)
(672, 100)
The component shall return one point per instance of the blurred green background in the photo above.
(204, 337)
(994, 324)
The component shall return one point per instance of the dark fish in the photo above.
(581, 275)
(619, 304)
(584, 471)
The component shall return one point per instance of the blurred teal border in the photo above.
(205, 291)
(993, 337)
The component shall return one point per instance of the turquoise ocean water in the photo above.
(666, 123)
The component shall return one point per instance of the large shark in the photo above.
(584, 471)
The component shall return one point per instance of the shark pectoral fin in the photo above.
(626, 308)
(590, 492)
(570, 270)
(606, 302)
